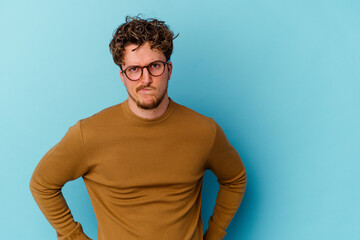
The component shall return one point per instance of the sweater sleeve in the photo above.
(64, 162)
(226, 164)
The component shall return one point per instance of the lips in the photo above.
(145, 89)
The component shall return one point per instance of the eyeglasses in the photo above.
(156, 69)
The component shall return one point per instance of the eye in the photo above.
(154, 65)
(133, 69)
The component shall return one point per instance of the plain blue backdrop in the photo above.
(281, 77)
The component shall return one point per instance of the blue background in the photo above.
(281, 78)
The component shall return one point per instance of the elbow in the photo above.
(37, 186)
(242, 180)
(33, 184)
(41, 188)
(237, 184)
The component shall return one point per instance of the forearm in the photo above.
(227, 202)
(54, 207)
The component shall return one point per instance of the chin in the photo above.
(150, 104)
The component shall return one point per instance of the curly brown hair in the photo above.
(139, 31)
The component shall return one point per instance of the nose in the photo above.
(146, 77)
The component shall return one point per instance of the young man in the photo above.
(142, 160)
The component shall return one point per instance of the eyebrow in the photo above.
(144, 65)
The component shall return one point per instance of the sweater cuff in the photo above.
(76, 234)
(214, 232)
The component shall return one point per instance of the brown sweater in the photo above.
(144, 177)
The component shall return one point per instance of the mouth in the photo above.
(146, 89)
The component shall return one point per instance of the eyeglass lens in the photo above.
(155, 68)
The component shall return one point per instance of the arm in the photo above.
(64, 162)
(226, 164)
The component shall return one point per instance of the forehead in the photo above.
(142, 55)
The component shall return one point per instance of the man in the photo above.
(142, 160)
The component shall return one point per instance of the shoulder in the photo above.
(197, 119)
(103, 117)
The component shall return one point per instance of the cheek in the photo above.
(129, 87)
(164, 85)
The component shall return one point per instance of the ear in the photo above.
(170, 66)
(122, 77)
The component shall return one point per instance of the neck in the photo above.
(149, 113)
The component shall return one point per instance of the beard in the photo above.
(157, 99)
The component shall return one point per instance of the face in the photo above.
(149, 91)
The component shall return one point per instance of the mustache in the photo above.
(145, 86)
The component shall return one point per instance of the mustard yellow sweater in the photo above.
(144, 177)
